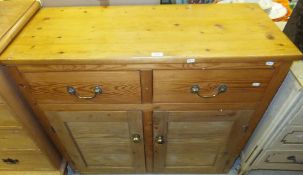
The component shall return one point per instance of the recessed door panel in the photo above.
(100, 141)
(196, 141)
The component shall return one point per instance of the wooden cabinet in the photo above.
(166, 89)
(16, 144)
(183, 132)
(277, 143)
(104, 141)
(24, 146)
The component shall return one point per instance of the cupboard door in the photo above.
(196, 142)
(101, 141)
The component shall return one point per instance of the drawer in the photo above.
(85, 87)
(293, 136)
(24, 160)
(15, 140)
(290, 138)
(236, 86)
(283, 160)
(7, 119)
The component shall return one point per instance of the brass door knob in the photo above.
(136, 138)
(160, 140)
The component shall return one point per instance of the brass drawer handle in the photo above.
(10, 161)
(195, 89)
(73, 91)
(136, 138)
(160, 140)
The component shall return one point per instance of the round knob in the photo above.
(136, 138)
(160, 139)
(222, 88)
(195, 89)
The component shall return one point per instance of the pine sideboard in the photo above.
(165, 89)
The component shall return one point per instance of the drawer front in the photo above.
(7, 119)
(290, 138)
(283, 160)
(25, 160)
(210, 86)
(85, 87)
(15, 140)
(293, 136)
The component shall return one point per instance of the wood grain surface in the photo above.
(28, 161)
(117, 86)
(14, 15)
(150, 34)
(16, 139)
(196, 141)
(20, 110)
(140, 56)
(174, 86)
(7, 120)
(146, 67)
(100, 141)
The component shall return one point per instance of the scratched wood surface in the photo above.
(145, 34)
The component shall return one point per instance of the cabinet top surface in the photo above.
(10, 12)
(150, 34)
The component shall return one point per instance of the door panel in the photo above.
(280, 159)
(100, 141)
(196, 141)
(290, 138)
(26, 160)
